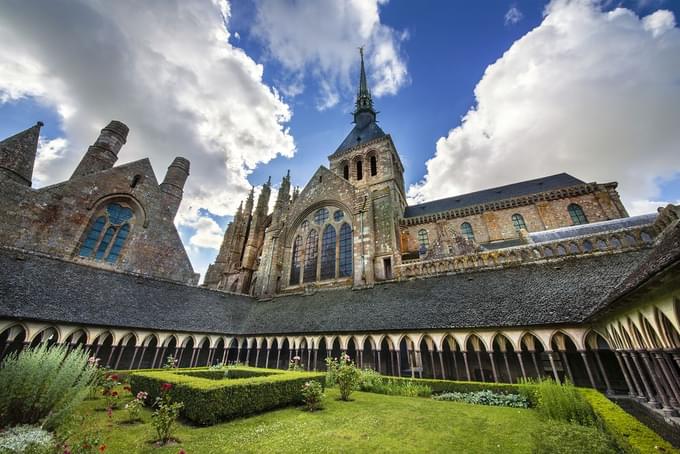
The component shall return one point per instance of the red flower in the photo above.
(127, 388)
(102, 448)
(165, 387)
(114, 394)
(114, 377)
(182, 451)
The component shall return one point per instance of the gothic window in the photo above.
(345, 172)
(466, 230)
(374, 166)
(423, 239)
(328, 253)
(321, 215)
(107, 234)
(311, 256)
(518, 222)
(360, 170)
(295, 265)
(345, 250)
(338, 216)
(578, 217)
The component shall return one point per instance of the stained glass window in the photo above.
(311, 256)
(118, 243)
(328, 253)
(338, 215)
(345, 250)
(92, 237)
(466, 230)
(321, 215)
(104, 244)
(295, 265)
(423, 239)
(578, 217)
(113, 221)
(518, 222)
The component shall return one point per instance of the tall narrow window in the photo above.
(345, 250)
(345, 171)
(578, 217)
(360, 170)
(423, 239)
(295, 265)
(311, 256)
(466, 230)
(107, 234)
(374, 166)
(328, 253)
(518, 222)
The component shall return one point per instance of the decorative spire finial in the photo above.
(364, 101)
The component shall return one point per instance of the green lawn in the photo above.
(370, 423)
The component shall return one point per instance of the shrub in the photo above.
(486, 398)
(43, 384)
(209, 401)
(629, 433)
(346, 375)
(109, 392)
(170, 362)
(563, 402)
(134, 407)
(166, 413)
(312, 395)
(372, 382)
(568, 438)
(26, 439)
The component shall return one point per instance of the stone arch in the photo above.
(127, 351)
(427, 348)
(149, 352)
(505, 362)
(533, 355)
(129, 199)
(406, 355)
(369, 354)
(49, 334)
(601, 364)
(286, 353)
(186, 352)
(480, 368)
(12, 339)
(563, 357)
(218, 354)
(669, 331)
(451, 357)
(76, 337)
(202, 355)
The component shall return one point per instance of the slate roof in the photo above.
(40, 288)
(358, 135)
(522, 188)
(593, 228)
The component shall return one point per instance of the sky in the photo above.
(474, 94)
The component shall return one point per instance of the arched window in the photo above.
(423, 239)
(328, 253)
(295, 265)
(466, 230)
(311, 256)
(374, 166)
(107, 233)
(345, 250)
(345, 172)
(360, 170)
(518, 222)
(321, 215)
(578, 217)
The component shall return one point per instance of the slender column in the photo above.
(134, 356)
(539, 374)
(481, 369)
(441, 363)
(671, 367)
(412, 360)
(590, 373)
(552, 365)
(667, 379)
(278, 357)
(225, 354)
(629, 384)
(666, 408)
(120, 355)
(257, 357)
(290, 355)
(493, 367)
(676, 358)
(316, 363)
(153, 362)
(507, 366)
(309, 359)
(521, 364)
(455, 364)
(651, 396)
(391, 352)
(609, 390)
(379, 362)
(467, 367)
(193, 356)
(567, 367)
(434, 369)
(96, 352)
(360, 357)
(266, 358)
(238, 353)
(633, 375)
(141, 357)
(179, 358)
(108, 360)
(248, 355)
(398, 354)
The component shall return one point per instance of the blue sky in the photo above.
(252, 88)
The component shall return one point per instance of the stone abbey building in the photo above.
(542, 278)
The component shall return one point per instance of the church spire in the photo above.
(364, 101)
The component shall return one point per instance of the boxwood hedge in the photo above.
(209, 400)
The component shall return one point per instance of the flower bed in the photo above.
(208, 400)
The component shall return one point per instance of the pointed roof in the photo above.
(17, 153)
(365, 126)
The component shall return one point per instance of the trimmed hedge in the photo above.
(629, 433)
(231, 372)
(208, 401)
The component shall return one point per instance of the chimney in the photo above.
(17, 155)
(104, 153)
(173, 184)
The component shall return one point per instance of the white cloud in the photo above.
(513, 15)
(592, 93)
(322, 36)
(208, 234)
(637, 207)
(166, 69)
(50, 151)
